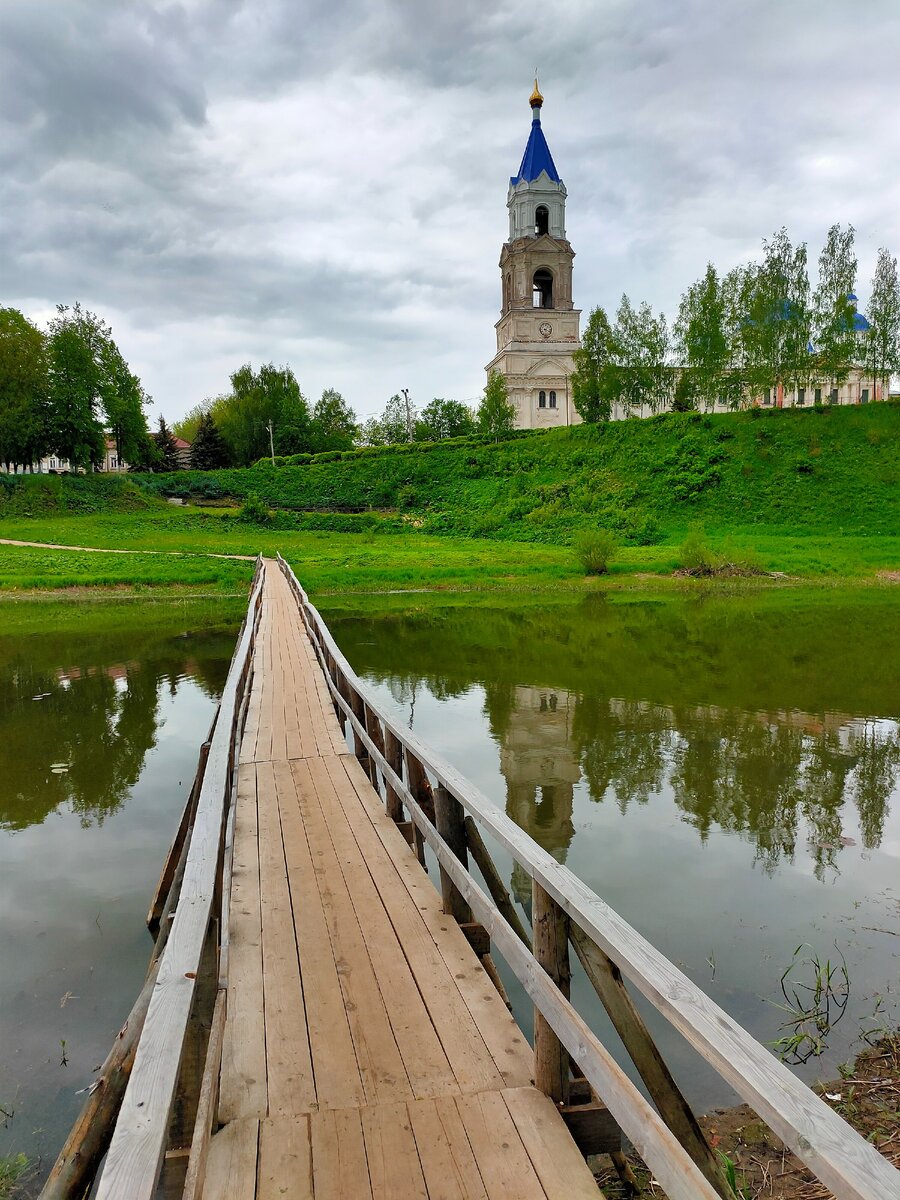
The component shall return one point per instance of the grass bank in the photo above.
(812, 495)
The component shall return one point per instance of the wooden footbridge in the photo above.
(321, 1020)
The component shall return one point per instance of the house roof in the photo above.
(181, 444)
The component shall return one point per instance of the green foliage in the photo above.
(333, 423)
(396, 425)
(833, 311)
(444, 419)
(166, 449)
(702, 344)
(594, 548)
(208, 449)
(23, 389)
(254, 512)
(696, 554)
(882, 345)
(77, 340)
(13, 1170)
(496, 416)
(593, 381)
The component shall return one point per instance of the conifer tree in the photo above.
(208, 450)
(166, 448)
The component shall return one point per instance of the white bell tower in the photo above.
(538, 327)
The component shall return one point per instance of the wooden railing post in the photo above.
(393, 752)
(418, 783)
(449, 822)
(373, 729)
(550, 927)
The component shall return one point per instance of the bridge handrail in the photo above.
(843, 1160)
(134, 1161)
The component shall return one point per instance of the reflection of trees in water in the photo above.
(749, 773)
(98, 718)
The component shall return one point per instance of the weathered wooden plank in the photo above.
(335, 1068)
(289, 1072)
(206, 1105)
(561, 1170)
(395, 1172)
(285, 1160)
(505, 1042)
(448, 1164)
(244, 1090)
(427, 1067)
(380, 1060)
(231, 1162)
(502, 1158)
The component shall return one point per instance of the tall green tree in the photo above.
(641, 346)
(496, 416)
(124, 401)
(166, 448)
(882, 344)
(701, 343)
(77, 339)
(444, 419)
(334, 425)
(208, 449)
(594, 381)
(256, 398)
(777, 316)
(833, 311)
(23, 390)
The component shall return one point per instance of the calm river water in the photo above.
(723, 773)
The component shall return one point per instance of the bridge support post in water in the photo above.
(550, 927)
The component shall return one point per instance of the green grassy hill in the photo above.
(835, 470)
(804, 492)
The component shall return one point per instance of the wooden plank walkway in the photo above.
(366, 1051)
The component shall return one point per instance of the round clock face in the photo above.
(545, 329)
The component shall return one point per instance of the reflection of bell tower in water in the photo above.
(541, 769)
(538, 327)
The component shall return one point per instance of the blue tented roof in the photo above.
(537, 157)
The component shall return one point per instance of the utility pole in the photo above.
(409, 431)
(271, 442)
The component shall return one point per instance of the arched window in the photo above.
(541, 220)
(553, 399)
(542, 399)
(542, 293)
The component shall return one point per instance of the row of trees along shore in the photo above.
(266, 413)
(757, 327)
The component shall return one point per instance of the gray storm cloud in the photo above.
(325, 184)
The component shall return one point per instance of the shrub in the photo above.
(254, 512)
(594, 548)
(695, 554)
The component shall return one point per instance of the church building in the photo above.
(538, 328)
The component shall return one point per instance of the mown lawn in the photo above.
(338, 562)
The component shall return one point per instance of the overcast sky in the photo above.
(324, 184)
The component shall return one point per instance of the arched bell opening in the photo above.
(542, 289)
(541, 220)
